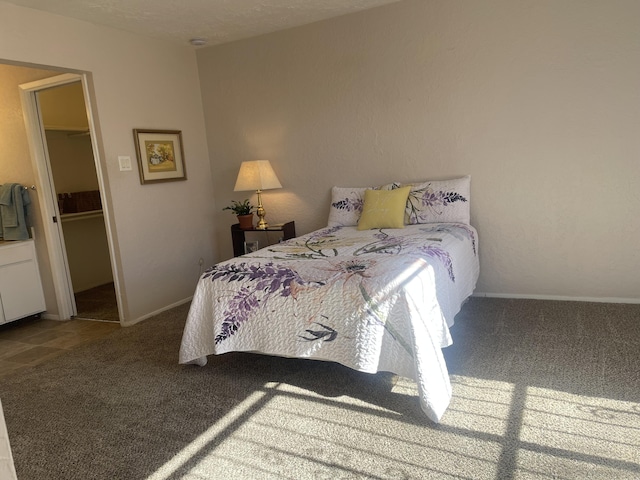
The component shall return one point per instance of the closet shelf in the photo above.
(66, 128)
(72, 217)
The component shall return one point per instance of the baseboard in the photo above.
(49, 316)
(149, 315)
(558, 297)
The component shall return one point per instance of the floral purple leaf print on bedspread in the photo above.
(458, 231)
(269, 279)
(390, 245)
(258, 282)
(440, 255)
(386, 244)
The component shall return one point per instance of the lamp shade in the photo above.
(256, 175)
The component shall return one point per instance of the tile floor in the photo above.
(30, 341)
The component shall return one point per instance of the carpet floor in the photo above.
(98, 303)
(541, 390)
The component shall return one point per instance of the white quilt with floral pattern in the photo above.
(374, 300)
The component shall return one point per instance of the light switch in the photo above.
(125, 163)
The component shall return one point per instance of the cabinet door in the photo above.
(20, 290)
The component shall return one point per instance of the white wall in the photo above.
(162, 230)
(538, 100)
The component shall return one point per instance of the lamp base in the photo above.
(262, 224)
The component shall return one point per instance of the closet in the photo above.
(76, 185)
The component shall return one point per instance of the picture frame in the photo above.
(160, 155)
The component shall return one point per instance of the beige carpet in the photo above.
(542, 390)
(98, 303)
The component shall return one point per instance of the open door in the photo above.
(44, 128)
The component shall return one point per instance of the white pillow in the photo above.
(347, 202)
(436, 201)
(346, 206)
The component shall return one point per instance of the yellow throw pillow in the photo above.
(384, 208)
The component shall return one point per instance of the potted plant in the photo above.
(244, 211)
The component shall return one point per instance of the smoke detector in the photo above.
(198, 41)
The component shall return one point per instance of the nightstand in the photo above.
(237, 234)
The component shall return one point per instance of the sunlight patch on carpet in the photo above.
(493, 429)
(203, 441)
(546, 433)
(296, 433)
(480, 406)
(601, 436)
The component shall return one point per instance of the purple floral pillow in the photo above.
(346, 204)
(439, 201)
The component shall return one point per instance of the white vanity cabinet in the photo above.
(20, 285)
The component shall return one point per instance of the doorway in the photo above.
(62, 137)
(73, 172)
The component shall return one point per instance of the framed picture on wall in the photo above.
(160, 155)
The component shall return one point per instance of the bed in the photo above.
(374, 300)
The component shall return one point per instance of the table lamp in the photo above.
(257, 175)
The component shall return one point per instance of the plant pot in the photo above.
(246, 221)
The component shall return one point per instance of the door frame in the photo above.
(48, 198)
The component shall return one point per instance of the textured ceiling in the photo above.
(218, 21)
